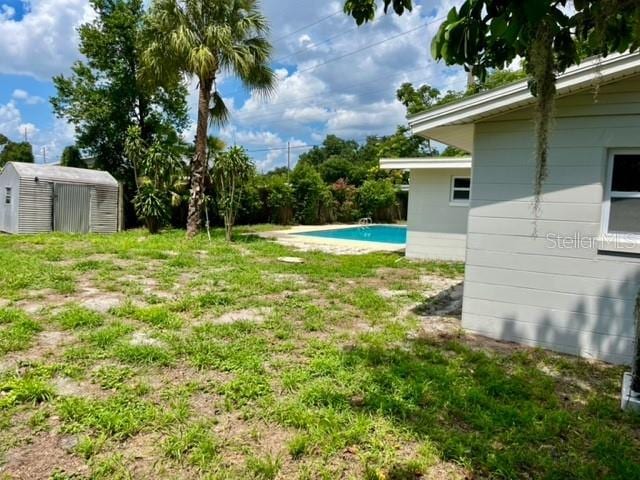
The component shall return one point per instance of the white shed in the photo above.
(39, 198)
(567, 277)
(439, 194)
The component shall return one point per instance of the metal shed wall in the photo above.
(104, 209)
(33, 202)
(35, 206)
(9, 213)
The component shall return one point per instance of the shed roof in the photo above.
(56, 173)
(426, 163)
(453, 123)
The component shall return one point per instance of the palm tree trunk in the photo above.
(199, 162)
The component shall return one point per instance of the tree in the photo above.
(231, 172)
(203, 38)
(107, 93)
(486, 34)
(417, 100)
(71, 157)
(157, 170)
(312, 196)
(15, 151)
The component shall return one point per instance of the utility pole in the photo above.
(26, 139)
(44, 154)
(288, 159)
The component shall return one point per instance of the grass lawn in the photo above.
(135, 356)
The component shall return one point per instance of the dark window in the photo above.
(626, 173)
(624, 210)
(461, 189)
(7, 195)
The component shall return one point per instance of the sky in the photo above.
(334, 77)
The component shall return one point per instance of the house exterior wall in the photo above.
(519, 285)
(9, 213)
(435, 229)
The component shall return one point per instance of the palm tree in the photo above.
(205, 38)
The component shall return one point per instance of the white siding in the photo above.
(517, 286)
(9, 213)
(436, 230)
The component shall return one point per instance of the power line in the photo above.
(340, 57)
(313, 24)
(286, 147)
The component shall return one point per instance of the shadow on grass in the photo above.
(501, 416)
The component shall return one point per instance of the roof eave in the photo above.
(514, 96)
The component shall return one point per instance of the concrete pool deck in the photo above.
(337, 246)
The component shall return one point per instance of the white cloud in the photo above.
(44, 42)
(23, 96)
(10, 119)
(7, 12)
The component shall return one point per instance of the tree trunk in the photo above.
(199, 162)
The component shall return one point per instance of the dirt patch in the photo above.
(46, 345)
(41, 457)
(68, 387)
(447, 471)
(144, 339)
(389, 294)
(287, 278)
(253, 315)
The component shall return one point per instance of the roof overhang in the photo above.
(426, 163)
(452, 124)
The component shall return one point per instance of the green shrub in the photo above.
(312, 198)
(377, 199)
(280, 200)
(345, 201)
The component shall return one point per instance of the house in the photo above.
(564, 277)
(438, 208)
(43, 198)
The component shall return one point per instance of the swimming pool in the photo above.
(373, 233)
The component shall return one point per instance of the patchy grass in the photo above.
(222, 362)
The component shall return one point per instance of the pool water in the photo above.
(372, 233)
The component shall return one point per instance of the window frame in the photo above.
(8, 196)
(631, 237)
(456, 202)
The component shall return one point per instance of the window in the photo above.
(622, 209)
(460, 190)
(7, 195)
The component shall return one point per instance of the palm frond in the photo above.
(219, 111)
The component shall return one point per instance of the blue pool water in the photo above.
(373, 233)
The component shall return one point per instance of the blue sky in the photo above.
(334, 77)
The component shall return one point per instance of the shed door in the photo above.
(71, 208)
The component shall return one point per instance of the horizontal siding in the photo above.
(520, 286)
(434, 246)
(574, 341)
(436, 229)
(35, 210)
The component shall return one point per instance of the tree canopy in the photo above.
(71, 157)
(106, 93)
(14, 151)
